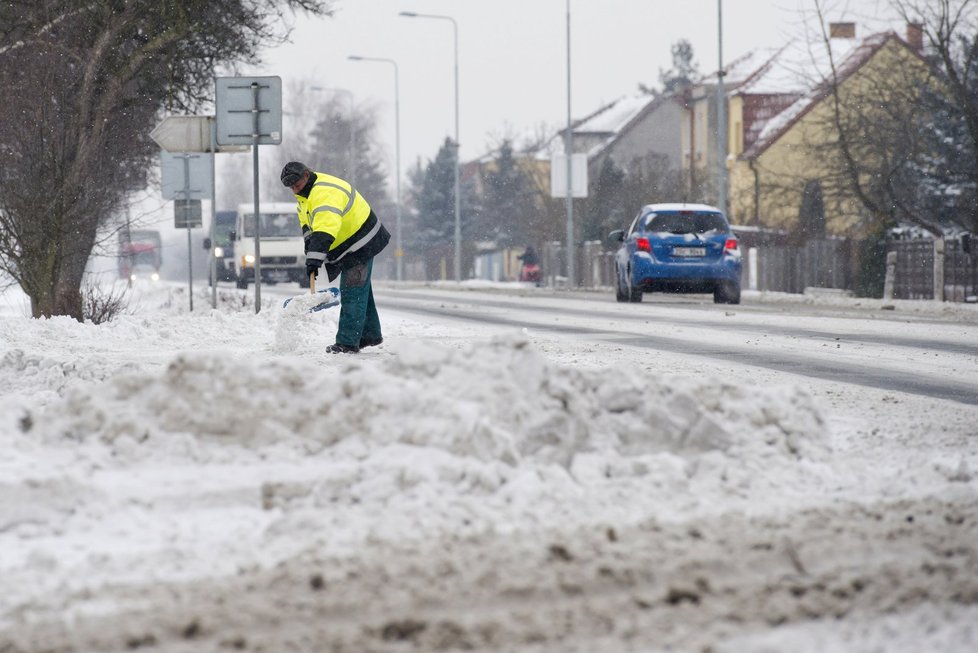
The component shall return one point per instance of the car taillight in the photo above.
(643, 245)
(730, 245)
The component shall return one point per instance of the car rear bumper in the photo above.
(653, 275)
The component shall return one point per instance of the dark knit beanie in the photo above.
(292, 172)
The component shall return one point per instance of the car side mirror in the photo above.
(617, 236)
(207, 243)
(233, 235)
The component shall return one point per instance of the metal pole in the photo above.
(213, 261)
(721, 119)
(569, 200)
(352, 153)
(458, 165)
(458, 196)
(353, 143)
(254, 160)
(186, 216)
(190, 265)
(398, 249)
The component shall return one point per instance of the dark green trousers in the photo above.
(358, 313)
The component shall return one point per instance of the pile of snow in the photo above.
(494, 402)
(429, 422)
(415, 437)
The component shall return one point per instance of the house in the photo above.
(758, 86)
(779, 174)
(775, 109)
(776, 118)
(627, 129)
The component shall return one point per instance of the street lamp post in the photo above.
(569, 147)
(352, 155)
(721, 119)
(399, 251)
(458, 163)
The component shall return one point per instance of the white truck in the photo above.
(283, 256)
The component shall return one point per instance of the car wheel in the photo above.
(634, 295)
(621, 294)
(726, 292)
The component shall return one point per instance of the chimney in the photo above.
(842, 30)
(915, 36)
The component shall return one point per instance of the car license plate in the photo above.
(689, 251)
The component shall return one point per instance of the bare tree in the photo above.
(85, 81)
(864, 139)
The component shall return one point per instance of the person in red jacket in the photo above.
(342, 231)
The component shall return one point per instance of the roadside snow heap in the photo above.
(497, 402)
(431, 425)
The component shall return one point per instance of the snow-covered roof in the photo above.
(797, 69)
(791, 69)
(848, 55)
(746, 68)
(605, 125)
(613, 117)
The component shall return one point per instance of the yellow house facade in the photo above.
(788, 178)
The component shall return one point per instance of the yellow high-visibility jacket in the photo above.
(338, 224)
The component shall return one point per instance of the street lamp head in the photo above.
(409, 14)
(354, 57)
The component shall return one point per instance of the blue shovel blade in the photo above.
(331, 298)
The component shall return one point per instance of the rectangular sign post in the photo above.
(180, 135)
(186, 178)
(568, 179)
(249, 112)
(558, 175)
(187, 214)
(173, 180)
(211, 258)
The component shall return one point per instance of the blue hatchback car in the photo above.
(685, 248)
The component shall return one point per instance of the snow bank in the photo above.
(498, 401)
(429, 420)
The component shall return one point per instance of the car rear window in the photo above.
(685, 222)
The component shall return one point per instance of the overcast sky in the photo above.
(513, 57)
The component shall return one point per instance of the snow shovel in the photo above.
(329, 297)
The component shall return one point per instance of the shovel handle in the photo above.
(312, 283)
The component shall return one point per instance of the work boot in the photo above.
(342, 349)
(370, 342)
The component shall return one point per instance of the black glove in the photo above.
(312, 267)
